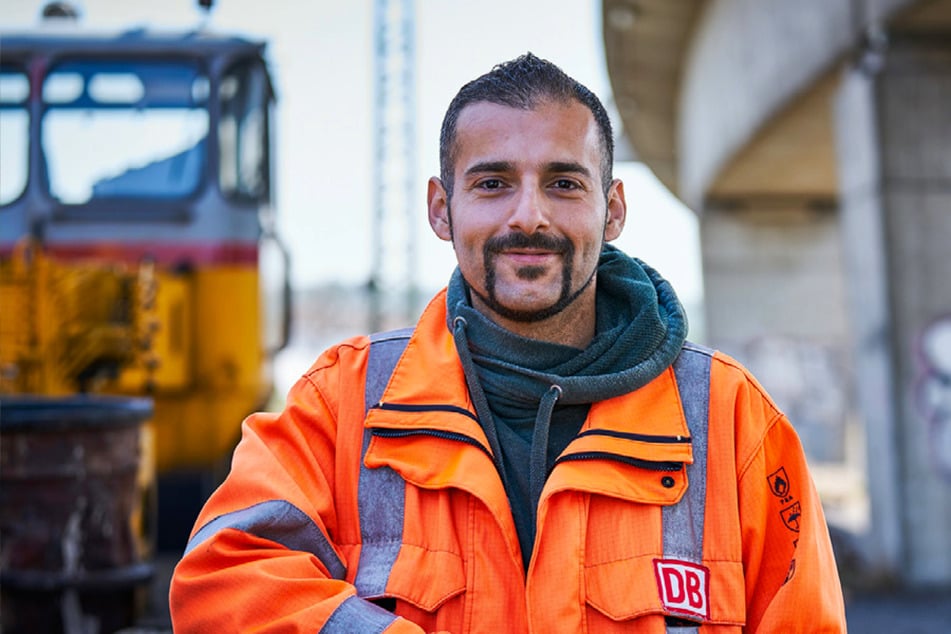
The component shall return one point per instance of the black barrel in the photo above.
(75, 513)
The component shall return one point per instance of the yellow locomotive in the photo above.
(137, 250)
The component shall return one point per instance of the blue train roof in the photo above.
(139, 41)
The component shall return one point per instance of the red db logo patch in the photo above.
(684, 587)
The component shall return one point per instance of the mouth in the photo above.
(529, 257)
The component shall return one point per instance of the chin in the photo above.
(522, 304)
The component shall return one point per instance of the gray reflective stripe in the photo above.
(381, 492)
(385, 351)
(278, 521)
(356, 615)
(683, 522)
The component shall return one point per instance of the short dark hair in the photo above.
(524, 83)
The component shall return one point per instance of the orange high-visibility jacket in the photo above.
(337, 517)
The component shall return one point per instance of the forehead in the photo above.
(549, 132)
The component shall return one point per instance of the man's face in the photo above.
(528, 215)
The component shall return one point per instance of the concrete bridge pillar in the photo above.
(773, 265)
(893, 138)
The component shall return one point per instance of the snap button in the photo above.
(668, 481)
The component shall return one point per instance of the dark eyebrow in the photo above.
(490, 167)
(569, 167)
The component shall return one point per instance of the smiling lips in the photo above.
(529, 257)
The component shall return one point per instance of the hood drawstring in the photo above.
(538, 466)
(479, 400)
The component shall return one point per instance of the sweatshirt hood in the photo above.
(641, 326)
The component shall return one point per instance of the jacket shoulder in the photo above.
(741, 407)
(731, 376)
(340, 353)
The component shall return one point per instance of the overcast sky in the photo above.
(320, 52)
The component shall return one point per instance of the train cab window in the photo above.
(124, 129)
(14, 133)
(244, 164)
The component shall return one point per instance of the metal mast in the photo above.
(393, 266)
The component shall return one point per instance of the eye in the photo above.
(565, 183)
(490, 184)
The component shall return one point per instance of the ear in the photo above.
(617, 211)
(438, 202)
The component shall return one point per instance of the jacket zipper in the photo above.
(652, 465)
(384, 432)
(639, 437)
(399, 407)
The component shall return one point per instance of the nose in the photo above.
(530, 213)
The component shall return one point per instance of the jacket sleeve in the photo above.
(792, 584)
(264, 555)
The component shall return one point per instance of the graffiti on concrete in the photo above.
(934, 389)
(809, 382)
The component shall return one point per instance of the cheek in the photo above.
(469, 255)
(468, 236)
(465, 244)
(593, 241)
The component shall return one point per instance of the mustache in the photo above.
(541, 241)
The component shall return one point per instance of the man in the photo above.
(544, 453)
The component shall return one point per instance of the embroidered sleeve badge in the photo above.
(791, 516)
(779, 483)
